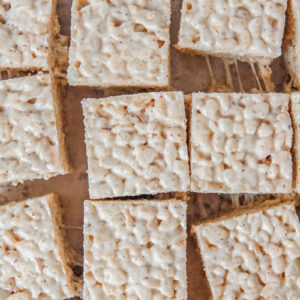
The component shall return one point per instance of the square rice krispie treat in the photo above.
(254, 254)
(31, 139)
(120, 43)
(291, 47)
(241, 143)
(33, 255)
(243, 29)
(135, 250)
(27, 30)
(136, 144)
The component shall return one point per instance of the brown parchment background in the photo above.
(189, 73)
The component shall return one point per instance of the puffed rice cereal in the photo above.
(248, 30)
(241, 143)
(252, 256)
(33, 260)
(136, 144)
(135, 250)
(25, 33)
(120, 43)
(31, 138)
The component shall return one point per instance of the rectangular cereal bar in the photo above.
(291, 46)
(241, 143)
(247, 30)
(135, 250)
(252, 254)
(31, 139)
(27, 32)
(136, 144)
(34, 258)
(120, 43)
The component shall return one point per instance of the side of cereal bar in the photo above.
(292, 43)
(32, 142)
(34, 257)
(295, 113)
(120, 43)
(135, 249)
(136, 144)
(253, 253)
(247, 30)
(241, 143)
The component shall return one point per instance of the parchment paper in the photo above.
(189, 73)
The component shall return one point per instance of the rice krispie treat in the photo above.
(253, 255)
(34, 258)
(120, 43)
(241, 143)
(135, 250)
(31, 138)
(291, 47)
(248, 30)
(136, 144)
(27, 34)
